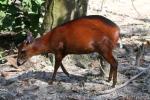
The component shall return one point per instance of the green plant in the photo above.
(19, 15)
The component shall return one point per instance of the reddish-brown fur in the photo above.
(80, 36)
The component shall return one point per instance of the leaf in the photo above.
(7, 21)
(27, 5)
(38, 2)
(2, 15)
(3, 1)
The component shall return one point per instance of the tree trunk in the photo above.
(61, 11)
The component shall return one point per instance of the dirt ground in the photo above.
(85, 81)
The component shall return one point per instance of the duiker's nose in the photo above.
(18, 63)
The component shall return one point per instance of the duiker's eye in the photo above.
(18, 45)
(22, 51)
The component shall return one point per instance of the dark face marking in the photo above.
(22, 49)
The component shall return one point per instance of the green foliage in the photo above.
(21, 15)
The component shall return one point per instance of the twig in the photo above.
(7, 33)
(123, 85)
(140, 55)
(135, 8)
(15, 70)
(11, 61)
(102, 5)
(13, 55)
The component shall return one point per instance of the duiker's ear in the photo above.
(29, 38)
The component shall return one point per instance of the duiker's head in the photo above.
(22, 50)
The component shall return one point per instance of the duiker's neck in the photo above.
(39, 45)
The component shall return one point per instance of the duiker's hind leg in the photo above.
(113, 68)
(107, 54)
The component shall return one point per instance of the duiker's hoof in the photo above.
(108, 80)
(113, 86)
(50, 82)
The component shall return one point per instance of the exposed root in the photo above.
(122, 85)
